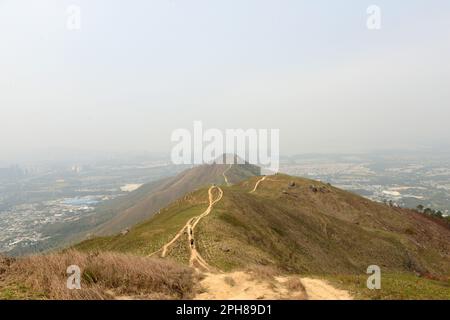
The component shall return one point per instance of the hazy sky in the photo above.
(137, 70)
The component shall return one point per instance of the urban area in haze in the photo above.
(224, 150)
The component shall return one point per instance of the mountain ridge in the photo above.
(157, 195)
(265, 237)
(298, 225)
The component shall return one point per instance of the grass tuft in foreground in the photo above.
(104, 276)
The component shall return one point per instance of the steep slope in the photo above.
(303, 226)
(149, 199)
(294, 225)
(271, 237)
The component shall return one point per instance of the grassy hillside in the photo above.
(149, 199)
(315, 228)
(273, 230)
(394, 286)
(298, 226)
(149, 236)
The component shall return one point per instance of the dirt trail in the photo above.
(238, 286)
(179, 234)
(241, 285)
(189, 227)
(195, 256)
(257, 183)
(317, 289)
(225, 176)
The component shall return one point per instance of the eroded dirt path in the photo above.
(257, 183)
(225, 176)
(195, 256)
(241, 285)
(190, 225)
(195, 260)
(178, 235)
(317, 289)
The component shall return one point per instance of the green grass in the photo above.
(394, 286)
(17, 291)
(149, 236)
(301, 231)
(292, 228)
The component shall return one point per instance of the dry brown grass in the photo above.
(104, 276)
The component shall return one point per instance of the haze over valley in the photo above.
(224, 150)
(48, 206)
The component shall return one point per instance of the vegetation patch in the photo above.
(104, 276)
(394, 286)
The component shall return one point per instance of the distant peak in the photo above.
(229, 158)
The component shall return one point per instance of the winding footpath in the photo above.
(195, 256)
(192, 223)
(225, 176)
(189, 227)
(244, 287)
(257, 183)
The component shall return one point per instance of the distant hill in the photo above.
(143, 203)
(296, 225)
